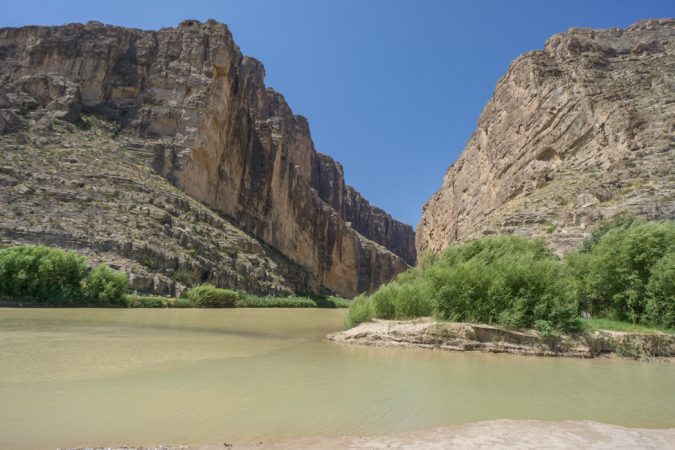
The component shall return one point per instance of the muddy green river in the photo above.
(76, 377)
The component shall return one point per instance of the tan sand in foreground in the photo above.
(497, 434)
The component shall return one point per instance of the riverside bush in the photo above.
(360, 310)
(179, 303)
(507, 280)
(106, 287)
(207, 295)
(251, 301)
(56, 277)
(402, 300)
(332, 301)
(41, 273)
(148, 301)
(660, 307)
(625, 272)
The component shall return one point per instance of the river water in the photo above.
(76, 377)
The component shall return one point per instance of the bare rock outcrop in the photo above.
(192, 107)
(574, 133)
(91, 190)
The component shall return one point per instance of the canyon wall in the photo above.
(198, 112)
(574, 133)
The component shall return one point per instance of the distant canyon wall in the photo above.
(202, 112)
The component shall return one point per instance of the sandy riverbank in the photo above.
(426, 333)
(497, 434)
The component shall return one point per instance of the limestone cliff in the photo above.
(574, 133)
(185, 102)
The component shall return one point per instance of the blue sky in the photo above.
(392, 89)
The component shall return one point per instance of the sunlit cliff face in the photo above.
(573, 134)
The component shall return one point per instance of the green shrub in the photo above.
(127, 300)
(383, 302)
(252, 301)
(179, 303)
(207, 295)
(331, 302)
(508, 280)
(154, 302)
(549, 334)
(289, 302)
(660, 308)
(619, 221)
(408, 297)
(360, 310)
(614, 269)
(106, 287)
(41, 273)
(145, 301)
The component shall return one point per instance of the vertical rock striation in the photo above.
(199, 110)
(574, 133)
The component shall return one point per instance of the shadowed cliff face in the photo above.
(199, 112)
(575, 133)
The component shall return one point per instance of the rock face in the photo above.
(574, 133)
(191, 106)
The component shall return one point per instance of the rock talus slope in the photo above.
(574, 133)
(185, 102)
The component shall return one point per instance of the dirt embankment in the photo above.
(485, 338)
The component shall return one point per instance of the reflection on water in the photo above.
(103, 377)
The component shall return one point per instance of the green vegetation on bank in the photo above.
(617, 325)
(57, 277)
(511, 281)
(624, 272)
(211, 296)
(251, 301)
(48, 276)
(105, 286)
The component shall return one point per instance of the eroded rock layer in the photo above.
(574, 133)
(188, 104)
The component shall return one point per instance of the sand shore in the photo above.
(497, 434)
